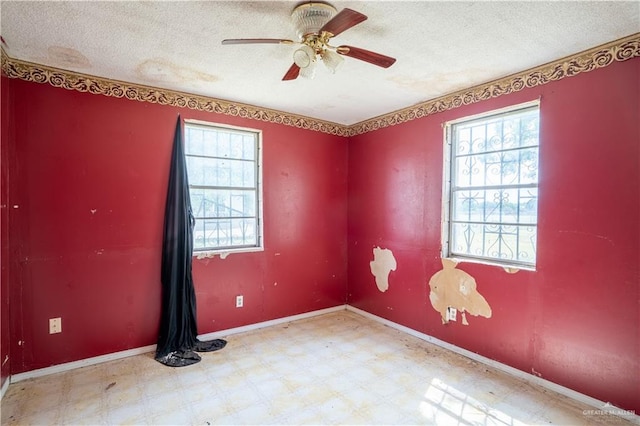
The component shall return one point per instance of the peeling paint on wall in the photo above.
(453, 288)
(210, 255)
(382, 264)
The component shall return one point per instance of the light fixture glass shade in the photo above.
(309, 17)
(308, 71)
(304, 56)
(332, 60)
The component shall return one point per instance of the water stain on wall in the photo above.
(453, 288)
(381, 266)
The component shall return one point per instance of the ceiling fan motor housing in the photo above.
(309, 17)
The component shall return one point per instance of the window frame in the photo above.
(447, 192)
(224, 251)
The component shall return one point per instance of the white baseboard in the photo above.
(4, 388)
(138, 351)
(81, 363)
(256, 326)
(580, 397)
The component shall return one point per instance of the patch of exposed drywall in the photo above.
(453, 289)
(381, 266)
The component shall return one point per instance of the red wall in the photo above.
(575, 320)
(5, 128)
(90, 176)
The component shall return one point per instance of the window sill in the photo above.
(210, 254)
(510, 268)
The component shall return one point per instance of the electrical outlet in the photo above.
(55, 325)
(239, 301)
(452, 313)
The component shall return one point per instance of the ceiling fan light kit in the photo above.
(316, 23)
(304, 56)
(308, 18)
(332, 60)
(308, 71)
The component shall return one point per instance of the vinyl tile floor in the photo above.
(337, 368)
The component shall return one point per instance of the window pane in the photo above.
(212, 233)
(243, 232)
(220, 172)
(210, 147)
(507, 131)
(197, 201)
(249, 147)
(224, 233)
(198, 235)
(498, 168)
(236, 146)
(223, 203)
(242, 173)
(512, 205)
(249, 174)
(194, 142)
(501, 242)
(223, 142)
(219, 143)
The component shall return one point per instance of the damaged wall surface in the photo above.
(454, 289)
(574, 321)
(381, 266)
(90, 177)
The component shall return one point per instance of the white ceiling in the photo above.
(440, 46)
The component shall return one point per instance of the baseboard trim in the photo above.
(80, 363)
(259, 325)
(4, 387)
(575, 395)
(139, 351)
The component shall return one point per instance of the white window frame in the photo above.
(259, 246)
(447, 193)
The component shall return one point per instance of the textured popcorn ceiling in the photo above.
(440, 47)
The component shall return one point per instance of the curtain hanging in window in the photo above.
(177, 339)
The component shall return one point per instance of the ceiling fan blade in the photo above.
(257, 41)
(344, 20)
(292, 73)
(367, 56)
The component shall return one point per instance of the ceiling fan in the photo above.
(316, 23)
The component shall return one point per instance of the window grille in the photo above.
(491, 185)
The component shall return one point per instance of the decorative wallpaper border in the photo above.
(589, 60)
(70, 80)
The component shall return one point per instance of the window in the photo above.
(223, 164)
(491, 187)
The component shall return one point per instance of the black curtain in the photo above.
(177, 339)
(178, 328)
